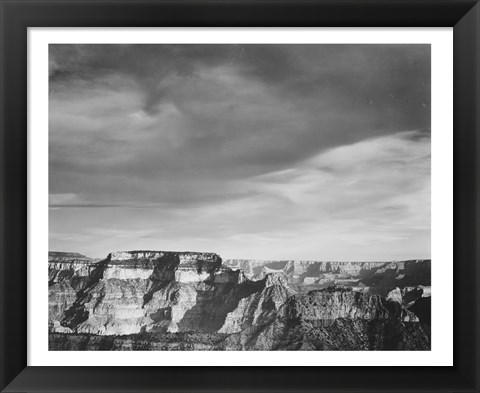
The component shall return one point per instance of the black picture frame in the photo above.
(18, 15)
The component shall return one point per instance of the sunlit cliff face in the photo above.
(190, 300)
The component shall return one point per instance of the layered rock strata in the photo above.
(143, 291)
(335, 319)
(380, 277)
(141, 300)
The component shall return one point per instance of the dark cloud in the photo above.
(190, 127)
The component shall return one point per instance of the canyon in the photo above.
(163, 300)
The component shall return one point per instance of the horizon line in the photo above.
(251, 259)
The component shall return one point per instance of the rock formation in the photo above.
(407, 296)
(67, 274)
(195, 301)
(307, 275)
(335, 319)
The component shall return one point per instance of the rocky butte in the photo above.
(162, 300)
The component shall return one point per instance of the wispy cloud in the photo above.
(372, 203)
(294, 151)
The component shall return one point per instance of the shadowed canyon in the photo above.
(158, 300)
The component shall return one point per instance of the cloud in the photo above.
(372, 203)
(63, 199)
(217, 145)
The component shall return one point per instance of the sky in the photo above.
(305, 152)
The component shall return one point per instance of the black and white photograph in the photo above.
(239, 197)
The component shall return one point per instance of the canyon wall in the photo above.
(188, 300)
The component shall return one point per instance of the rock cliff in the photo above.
(67, 274)
(379, 277)
(141, 291)
(195, 301)
(335, 319)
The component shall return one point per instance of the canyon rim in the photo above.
(156, 300)
(310, 162)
